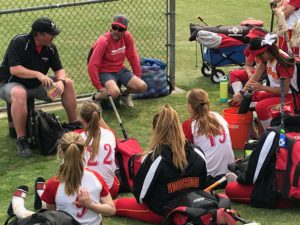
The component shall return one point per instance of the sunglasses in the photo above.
(120, 29)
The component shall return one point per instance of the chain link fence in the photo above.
(81, 22)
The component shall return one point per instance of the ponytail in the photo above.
(90, 113)
(206, 122)
(71, 149)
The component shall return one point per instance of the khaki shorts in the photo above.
(39, 93)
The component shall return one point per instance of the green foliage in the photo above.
(15, 171)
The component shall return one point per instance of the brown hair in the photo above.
(71, 150)
(167, 130)
(90, 113)
(206, 122)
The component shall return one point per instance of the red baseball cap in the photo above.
(253, 33)
(251, 54)
(120, 20)
(255, 48)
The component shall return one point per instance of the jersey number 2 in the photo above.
(107, 160)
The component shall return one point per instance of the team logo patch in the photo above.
(45, 59)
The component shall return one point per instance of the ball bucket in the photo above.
(238, 125)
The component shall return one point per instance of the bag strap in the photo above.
(8, 219)
(287, 182)
(294, 94)
(131, 162)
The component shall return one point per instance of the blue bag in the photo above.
(154, 75)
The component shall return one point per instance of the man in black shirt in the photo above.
(23, 74)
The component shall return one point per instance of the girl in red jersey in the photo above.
(172, 166)
(78, 191)
(100, 145)
(239, 77)
(276, 64)
(209, 131)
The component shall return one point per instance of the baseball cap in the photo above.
(254, 32)
(45, 25)
(120, 20)
(255, 48)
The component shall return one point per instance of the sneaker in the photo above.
(39, 186)
(127, 99)
(76, 125)
(23, 149)
(96, 100)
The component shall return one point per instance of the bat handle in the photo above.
(217, 183)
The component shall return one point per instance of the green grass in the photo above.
(15, 171)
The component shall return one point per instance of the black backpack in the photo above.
(45, 217)
(44, 131)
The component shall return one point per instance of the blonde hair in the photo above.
(71, 149)
(167, 130)
(206, 122)
(90, 113)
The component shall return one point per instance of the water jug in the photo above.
(223, 89)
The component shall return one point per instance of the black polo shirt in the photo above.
(22, 51)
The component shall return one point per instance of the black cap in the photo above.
(45, 25)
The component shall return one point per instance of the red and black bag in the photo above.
(201, 208)
(128, 155)
(274, 171)
(287, 168)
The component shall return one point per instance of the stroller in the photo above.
(220, 46)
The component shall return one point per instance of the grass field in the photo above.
(15, 171)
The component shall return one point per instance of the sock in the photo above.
(126, 92)
(100, 95)
(237, 86)
(18, 203)
(39, 190)
(265, 123)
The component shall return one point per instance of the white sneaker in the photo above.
(127, 99)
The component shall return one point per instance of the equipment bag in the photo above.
(288, 167)
(154, 75)
(128, 155)
(236, 32)
(44, 217)
(44, 131)
(274, 171)
(199, 208)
